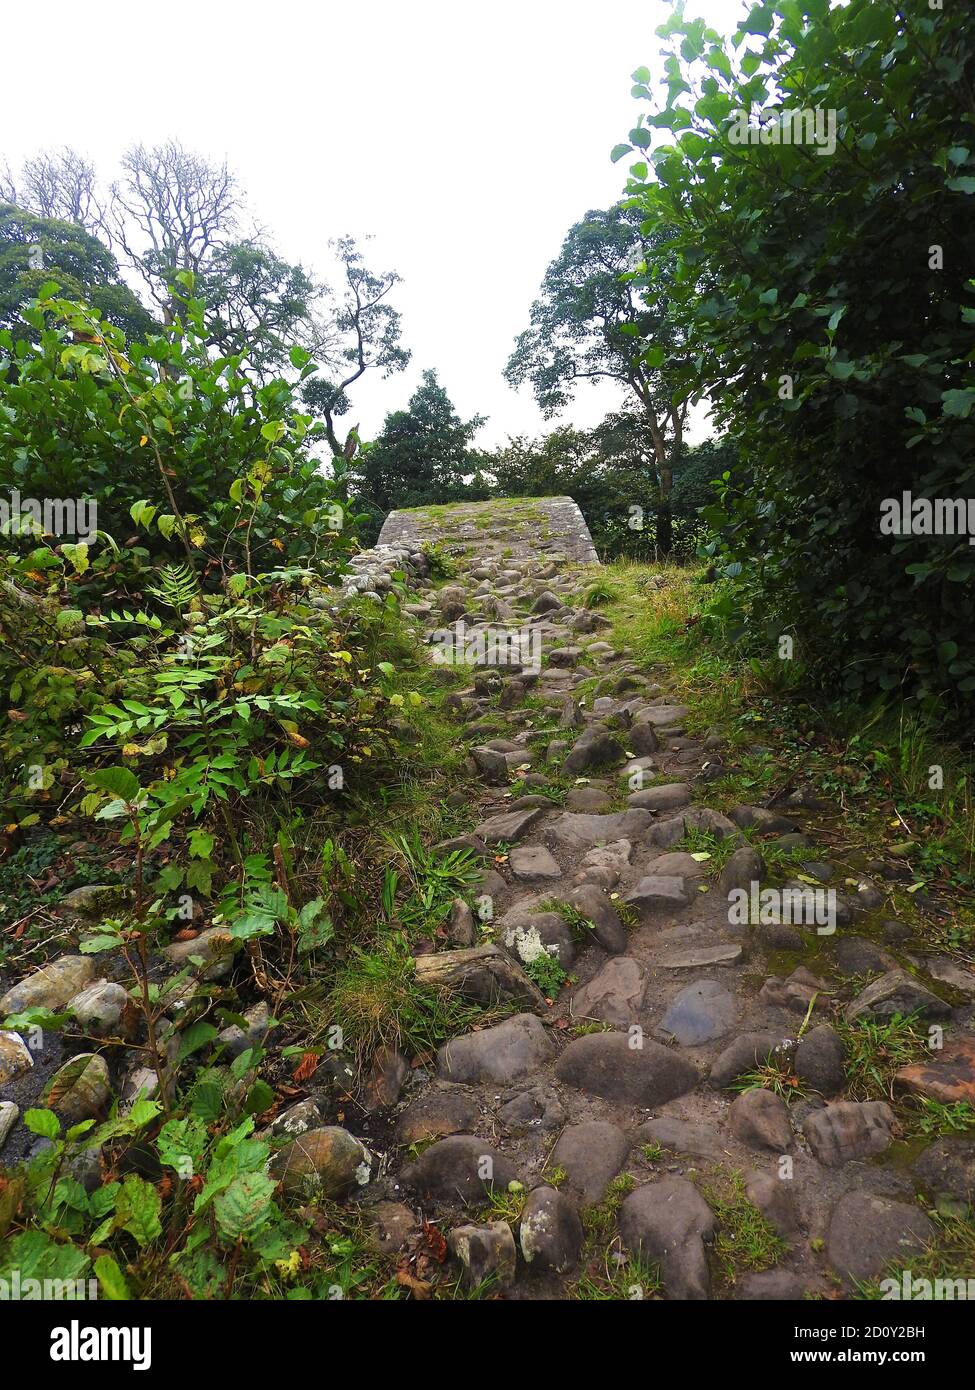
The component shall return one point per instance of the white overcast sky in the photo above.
(465, 138)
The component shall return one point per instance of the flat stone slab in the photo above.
(614, 995)
(659, 893)
(700, 1013)
(944, 969)
(533, 861)
(516, 522)
(662, 715)
(682, 1137)
(949, 1077)
(702, 956)
(665, 798)
(507, 827)
(578, 831)
(897, 992)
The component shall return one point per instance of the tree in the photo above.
(172, 211)
(590, 323)
(61, 184)
(823, 283)
(35, 250)
(608, 471)
(364, 335)
(259, 306)
(423, 454)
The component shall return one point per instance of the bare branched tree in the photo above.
(172, 211)
(8, 186)
(61, 184)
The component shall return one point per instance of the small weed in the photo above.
(619, 1281)
(876, 1050)
(936, 1118)
(627, 913)
(591, 1025)
(579, 926)
(505, 1204)
(744, 1240)
(547, 973)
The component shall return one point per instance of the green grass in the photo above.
(873, 764)
(938, 1119)
(599, 1220)
(618, 1281)
(950, 1255)
(376, 1001)
(599, 593)
(876, 1050)
(744, 1241)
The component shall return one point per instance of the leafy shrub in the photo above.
(828, 313)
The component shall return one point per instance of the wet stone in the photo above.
(612, 1066)
(461, 1169)
(514, 1048)
(699, 1013)
(592, 1154)
(868, 1233)
(435, 1114)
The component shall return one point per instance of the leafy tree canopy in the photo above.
(423, 453)
(824, 289)
(36, 249)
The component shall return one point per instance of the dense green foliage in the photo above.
(422, 455)
(610, 472)
(33, 249)
(85, 415)
(828, 310)
(591, 322)
(188, 694)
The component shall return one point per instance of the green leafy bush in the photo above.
(828, 309)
